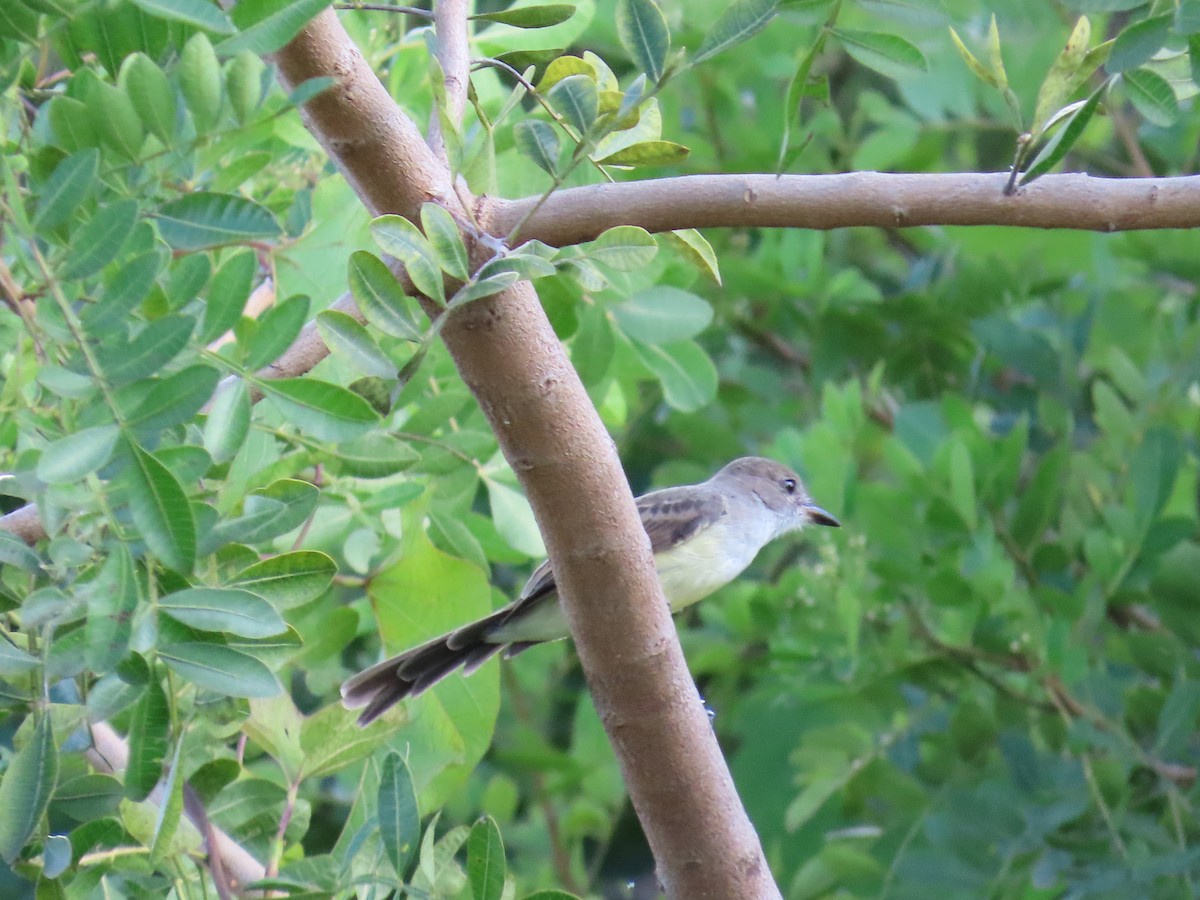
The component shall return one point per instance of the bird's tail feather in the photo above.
(385, 684)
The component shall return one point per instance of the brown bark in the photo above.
(855, 198)
(548, 430)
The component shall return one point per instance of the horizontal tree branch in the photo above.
(573, 215)
(854, 199)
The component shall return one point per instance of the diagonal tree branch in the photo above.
(512, 361)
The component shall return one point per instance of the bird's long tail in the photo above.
(385, 684)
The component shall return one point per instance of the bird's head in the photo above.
(779, 489)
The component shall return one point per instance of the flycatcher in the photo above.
(702, 535)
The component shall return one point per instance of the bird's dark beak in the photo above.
(818, 516)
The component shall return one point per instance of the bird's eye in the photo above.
(789, 485)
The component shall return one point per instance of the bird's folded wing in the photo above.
(670, 517)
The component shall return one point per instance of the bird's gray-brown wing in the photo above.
(674, 515)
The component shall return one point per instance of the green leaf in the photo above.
(26, 789)
(530, 16)
(663, 315)
(538, 141)
(380, 297)
(264, 26)
(19, 22)
(514, 519)
(175, 399)
(227, 295)
(155, 346)
(687, 374)
(1177, 719)
(69, 185)
(526, 266)
(200, 13)
(14, 661)
(442, 234)
(1153, 97)
(56, 856)
(997, 79)
(275, 331)
(70, 458)
(625, 248)
(400, 238)
(593, 346)
(228, 422)
(13, 552)
(1066, 75)
(200, 81)
(289, 579)
(485, 860)
(486, 287)
(71, 123)
(887, 54)
(310, 88)
(1153, 470)
(149, 725)
(115, 119)
(643, 33)
(221, 669)
(399, 819)
(962, 484)
(202, 220)
(560, 68)
(346, 337)
(161, 511)
(1138, 43)
(375, 456)
(151, 93)
(1064, 139)
(330, 740)
(647, 153)
(740, 22)
(126, 287)
(1187, 17)
(697, 250)
(244, 85)
(232, 610)
(99, 242)
(170, 811)
(1194, 57)
(577, 101)
(110, 609)
(325, 410)
(271, 511)
(1041, 500)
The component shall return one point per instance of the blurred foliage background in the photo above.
(984, 685)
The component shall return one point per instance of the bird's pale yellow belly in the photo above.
(688, 573)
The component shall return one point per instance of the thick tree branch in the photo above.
(548, 430)
(854, 199)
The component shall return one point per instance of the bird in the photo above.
(702, 536)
